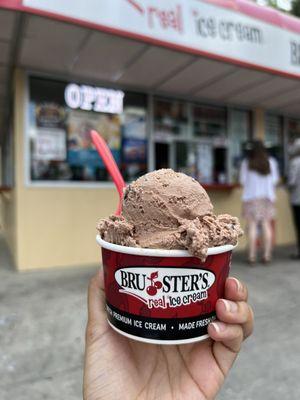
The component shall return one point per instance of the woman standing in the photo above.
(294, 186)
(259, 176)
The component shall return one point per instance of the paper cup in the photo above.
(162, 296)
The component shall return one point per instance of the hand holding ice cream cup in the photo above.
(165, 259)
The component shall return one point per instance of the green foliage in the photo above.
(296, 8)
(273, 3)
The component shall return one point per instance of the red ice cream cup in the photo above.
(162, 296)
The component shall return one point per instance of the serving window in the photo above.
(293, 131)
(192, 139)
(61, 114)
(239, 131)
(274, 139)
(170, 125)
(209, 130)
(144, 132)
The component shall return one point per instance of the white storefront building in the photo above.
(179, 83)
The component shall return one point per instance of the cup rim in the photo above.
(138, 251)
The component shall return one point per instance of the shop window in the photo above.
(274, 138)
(134, 136)
(210, 144)
(191, 139)
(61, 114)
(170, 124)
(209, 122)
(190, 160)
(170, 119)
(239, 131)
(293, 131)
(202, 161)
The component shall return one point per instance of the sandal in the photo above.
(266, 260)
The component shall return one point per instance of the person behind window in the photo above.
(259, 176)
(294, 186)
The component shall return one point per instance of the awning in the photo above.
(85, 51)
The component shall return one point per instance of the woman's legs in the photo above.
(267, 239)
(252, 234)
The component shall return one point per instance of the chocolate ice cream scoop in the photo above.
(162, 199)
(169, 210)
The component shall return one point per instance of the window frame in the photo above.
(189, 138)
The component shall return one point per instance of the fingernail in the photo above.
(230, 306)
(218, 326)
(239, 286)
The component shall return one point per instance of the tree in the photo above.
(296, 8)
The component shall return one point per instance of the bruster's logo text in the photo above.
(159, 16)
(165, 287)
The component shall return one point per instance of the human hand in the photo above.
(119, 368)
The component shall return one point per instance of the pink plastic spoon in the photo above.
(110, 164)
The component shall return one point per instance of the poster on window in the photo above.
(205, 162)
(134, 151)
(81, 151)
(50, 115)
(50, 144)
(134, 124)
(134, 144)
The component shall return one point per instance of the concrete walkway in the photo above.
(43, 316)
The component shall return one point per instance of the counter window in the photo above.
(170, 124)
(274, 138)
(202, 141)
(134, 145)
(239, 128)
(210, 150)
(61, 115)
(170, 119)
(209, 122)
(293, 131)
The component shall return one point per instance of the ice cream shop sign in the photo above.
(239, 34)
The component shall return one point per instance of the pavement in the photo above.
(43, 317)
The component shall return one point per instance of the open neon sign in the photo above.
(90, 98)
